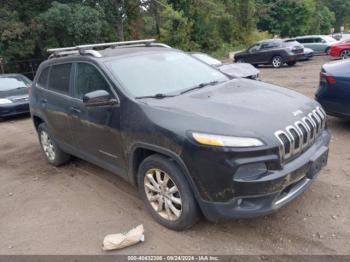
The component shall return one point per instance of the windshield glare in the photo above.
(162, 73)
(13, 82)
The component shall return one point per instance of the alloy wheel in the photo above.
(163, 194)
(345, 54)
(47, 145)
(277, 61)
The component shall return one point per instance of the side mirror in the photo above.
(99, 98)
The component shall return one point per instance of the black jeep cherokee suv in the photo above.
(190, 138)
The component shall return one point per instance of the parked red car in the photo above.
(341, 49)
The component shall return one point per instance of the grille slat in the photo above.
(298, 137)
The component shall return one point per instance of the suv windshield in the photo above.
(207, 59)
(162, 73)
(8, 83)
(329, 39)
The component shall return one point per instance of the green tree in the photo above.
(175, 28)
(286, 18)
(16, 38)
(70, 24)
(341, 8)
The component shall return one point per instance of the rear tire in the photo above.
(345, 54)
(54, 155)
(328, 51)
(166, 193)
(277, 61)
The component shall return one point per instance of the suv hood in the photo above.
(238, 107)
(18, 92)
(239, 70)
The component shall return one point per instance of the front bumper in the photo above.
(14, 109)
(277, 189)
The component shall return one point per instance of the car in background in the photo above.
(235, 70)
(14, 97)
(334, 91)
(321, 44)
(275, 52)
(341, 49)
(308, 54)
(341, 37)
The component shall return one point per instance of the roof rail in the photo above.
(88, 49)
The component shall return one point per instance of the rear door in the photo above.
(95, 130)
(319, 45)
(55, 101)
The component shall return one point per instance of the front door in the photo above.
(95, 130)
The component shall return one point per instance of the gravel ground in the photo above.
(68, 210)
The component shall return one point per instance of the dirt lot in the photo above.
(68, 210)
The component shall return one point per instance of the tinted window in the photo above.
(255, 48)
(318, 40)
(59, 78)
(270, 45)
(306, 40)
(42, 81)
(88, 79)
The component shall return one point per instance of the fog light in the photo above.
(250, 171)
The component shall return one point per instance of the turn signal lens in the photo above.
(226, 141)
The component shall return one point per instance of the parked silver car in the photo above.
(318, 43)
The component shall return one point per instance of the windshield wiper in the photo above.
(157, 96)
(200, 86)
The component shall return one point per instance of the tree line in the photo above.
(28, 28)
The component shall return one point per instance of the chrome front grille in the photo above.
(296, 138)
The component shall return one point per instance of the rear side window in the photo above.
(60, 78)
(42, 81)
(88, 79)
(305, 40)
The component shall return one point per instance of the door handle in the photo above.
(75, 111)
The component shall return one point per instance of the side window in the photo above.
(60, 77)
(318, 40)
(307, 40)
(88, 79)
(42, 81)
(301, 40)
(255, 48)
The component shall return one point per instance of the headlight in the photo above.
(226, 141)
(4, 101)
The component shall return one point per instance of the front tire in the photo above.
(54, 155)
(277, 61)
(166, 193)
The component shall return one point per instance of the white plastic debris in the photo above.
(121, 240)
